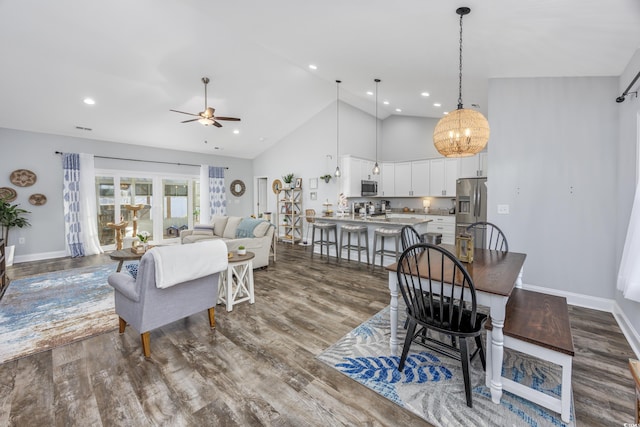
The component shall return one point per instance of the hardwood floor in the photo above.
(258, 367)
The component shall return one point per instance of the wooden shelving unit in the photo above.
(291, 217)
(3, 269)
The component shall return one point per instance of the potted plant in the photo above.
(242, 250)
(326, 178)
(11, 216)
(288, 180)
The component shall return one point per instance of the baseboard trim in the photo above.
(632, 336)
(38, 257)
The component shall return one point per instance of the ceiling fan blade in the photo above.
(182, 112)
(233, 119)
(190, 120)
(216, 124)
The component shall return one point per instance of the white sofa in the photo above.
(256, 235)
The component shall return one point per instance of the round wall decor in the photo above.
(38, 199)
(8, 194)
(276, 186)
(22, 178)
(237, 188)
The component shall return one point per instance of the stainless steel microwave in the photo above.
(369, 188)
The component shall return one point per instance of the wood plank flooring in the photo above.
(258, 367)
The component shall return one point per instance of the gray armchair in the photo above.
(172, 283)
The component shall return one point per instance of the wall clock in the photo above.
(276, 186)
(237, 188)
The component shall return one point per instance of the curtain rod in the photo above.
(626, 92)
(146, 161)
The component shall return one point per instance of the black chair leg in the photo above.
(464, 357)
(407, 344)
(481, 351)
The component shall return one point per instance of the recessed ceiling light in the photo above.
(89, 101)
(236, 131)
(437, 104)
(398, 110)
(425, 94)
(369, 93)
(313, 66)
(385, 102)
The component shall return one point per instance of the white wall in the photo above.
(407, 138)
(629, 128)
(35, 151)
(553, 160)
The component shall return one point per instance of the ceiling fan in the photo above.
(206, 117)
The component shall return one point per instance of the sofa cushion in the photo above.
(219, 223)
(261, 229)
(247, 226)
(232, 225)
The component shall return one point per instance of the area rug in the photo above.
(41, 312)
(432, 386)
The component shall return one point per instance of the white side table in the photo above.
(236, 284)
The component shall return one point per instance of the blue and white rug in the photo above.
(432, 385)
(41, 312)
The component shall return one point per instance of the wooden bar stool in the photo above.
(381, 233)
(359, 230)
(325, 229)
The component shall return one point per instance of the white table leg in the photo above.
(393, 311)
(250, 277)
(519, 279)
(497, 311)
(229, 288)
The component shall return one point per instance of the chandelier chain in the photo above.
(460, 68)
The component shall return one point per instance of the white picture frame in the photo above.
(313, 183)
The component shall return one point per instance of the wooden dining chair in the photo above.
(490, 234)
(425, 273)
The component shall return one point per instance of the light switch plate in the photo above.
(503, 209)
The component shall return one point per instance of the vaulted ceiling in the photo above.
(139, 59)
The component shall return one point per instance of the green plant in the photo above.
(11, 216)
(241, 248)
(288, 178)
(326, 178)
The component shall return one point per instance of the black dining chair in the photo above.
(425, 274)
(490, 234)
(409, 237)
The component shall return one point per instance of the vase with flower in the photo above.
(143, 236)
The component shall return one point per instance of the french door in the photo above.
(159, 206)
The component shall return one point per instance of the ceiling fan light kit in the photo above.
(207, 116)
(462, 132)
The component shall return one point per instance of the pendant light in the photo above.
(337, 173)
(376, 168)
(462, 132)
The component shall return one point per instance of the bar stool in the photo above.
(324, 227)
(359, 230)
(383, 232)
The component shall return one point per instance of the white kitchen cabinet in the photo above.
(446, 225)
(388, 180)
(420, 178)
(474, 166)
(443, 175)
(366, 171)
(403, 179)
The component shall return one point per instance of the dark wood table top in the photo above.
(238, 258)
(493, 272)
(124, 255)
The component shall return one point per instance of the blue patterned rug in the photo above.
(432, 385)
(41, 312)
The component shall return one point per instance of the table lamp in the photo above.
(426, 204)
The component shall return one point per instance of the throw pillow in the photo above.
(232, 225)
(219, 223)
(261, 229)
(246, 227)
(132, 269)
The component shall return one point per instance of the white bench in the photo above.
(538, 324)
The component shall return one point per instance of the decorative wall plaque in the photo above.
(8, 194)
(22, 178)
(237, 188)
(38, 199)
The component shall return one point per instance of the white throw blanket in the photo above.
(180, 263)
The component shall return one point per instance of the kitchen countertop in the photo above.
(377, 220)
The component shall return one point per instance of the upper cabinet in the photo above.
(354, 170)
(443, 173)
(388, 172)
(420, 178)
(403, 179)
(474, 166)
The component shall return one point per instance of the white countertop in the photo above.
(375, 220)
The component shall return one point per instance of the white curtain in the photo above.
(213, 196)
(79, 202)
(629, 274)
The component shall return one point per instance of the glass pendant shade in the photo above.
(337, 172)
(376, 169)
(461, 133)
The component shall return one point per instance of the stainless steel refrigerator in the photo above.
(471, 205)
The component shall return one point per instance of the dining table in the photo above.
(494, 274)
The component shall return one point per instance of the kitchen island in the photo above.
(374, 222)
